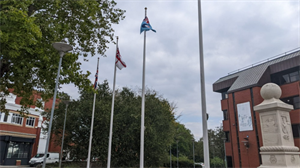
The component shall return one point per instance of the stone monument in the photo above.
(278, 148)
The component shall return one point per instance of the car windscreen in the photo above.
(39, 155)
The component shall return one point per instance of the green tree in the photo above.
(29, 63)
(217, 162)
(183, 138)
(159, 127)
(78, 123)
(216, 147)
(216, 142)
(185, 141)
(199, 153)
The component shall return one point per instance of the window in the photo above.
(17, 119)
(30, 121)
(296, 130)
(39, 155)
(225, 115)
(227, 137)
(285, 79)
(287, 76)
(295, 101)
(5, 117)
(18, 150)
(229, 161)
(224, 95)
(294, 76)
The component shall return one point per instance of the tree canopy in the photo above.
(28, 28)
(159, 127)
(163, 133)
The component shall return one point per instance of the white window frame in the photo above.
(30, 120)
(8, 117)
(16, 117)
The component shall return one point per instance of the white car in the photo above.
(39, 158)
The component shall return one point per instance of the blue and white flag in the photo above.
(146, 25)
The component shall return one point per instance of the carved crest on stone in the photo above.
(273, 159)
(270, 129)
(293, 159)
(285, 125)
(269, 124)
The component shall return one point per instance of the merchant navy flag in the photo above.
(146, 25)
(119, 63)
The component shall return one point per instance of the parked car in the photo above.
(39, 159)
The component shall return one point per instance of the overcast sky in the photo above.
(235, 34)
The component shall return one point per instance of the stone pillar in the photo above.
(278, 148)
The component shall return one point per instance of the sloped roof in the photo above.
(250, 76)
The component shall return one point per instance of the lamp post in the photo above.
(62, 47)
(170, 157)
(224, 139)
(63, 136)
(177, 153)
(194, 152)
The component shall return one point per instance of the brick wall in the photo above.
(240, 154)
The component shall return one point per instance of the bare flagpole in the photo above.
(203, 99)
(92, 122)
(143, 103)
(112, 113)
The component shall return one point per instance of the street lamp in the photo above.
(193, 151)
(63, 136)
(177, 153)
(170, 157)
(224, 139)
(62, 47)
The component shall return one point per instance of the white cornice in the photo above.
(15, 107)
(11, 105)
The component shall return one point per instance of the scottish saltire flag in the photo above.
(96, 79)
(119, 63)
(146, 25)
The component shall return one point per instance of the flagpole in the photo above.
(112, 113)
(203, 99)
(143, 102)
(92, 125)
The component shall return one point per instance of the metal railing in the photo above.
(266, 60)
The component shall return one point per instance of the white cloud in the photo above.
(235, 34)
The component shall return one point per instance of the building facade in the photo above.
(240, 92)
(21, 138)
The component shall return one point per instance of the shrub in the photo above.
(216, 162)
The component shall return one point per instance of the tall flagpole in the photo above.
(92, 124)
(143, 103)
(112, 113)
(203, 99)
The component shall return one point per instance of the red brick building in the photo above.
(241, 92)
(21, 138)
